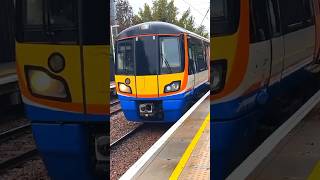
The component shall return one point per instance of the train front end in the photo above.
(232, 99)
(151, 72)
(60, 52)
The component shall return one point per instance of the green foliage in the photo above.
(124, 14)
(165, 11)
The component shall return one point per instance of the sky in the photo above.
(198, 9)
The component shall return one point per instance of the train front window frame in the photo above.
(146, 55)
(42, 30)
(225, 16)
(125, 57)
(170, 55)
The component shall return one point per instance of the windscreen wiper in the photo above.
(166, 62)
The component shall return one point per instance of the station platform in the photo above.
(183, 154)
(292, 152)
(297, 156)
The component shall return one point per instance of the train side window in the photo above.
(308, 15)
(198, 57)
(275, 22)
(191, 65)
(259, 21)
(293, 15)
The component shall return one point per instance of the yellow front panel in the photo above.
(166, 79)
(96, 75)
(147, 86)
(132, 85)
(37, 55)
(224, 47)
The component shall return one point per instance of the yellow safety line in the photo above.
(186, 155)
(315, 175)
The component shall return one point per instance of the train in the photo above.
(61, 49)
(160, 69)
(9, 90)
(257, 47)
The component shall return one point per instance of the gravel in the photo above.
(125, 154)
(119, 126)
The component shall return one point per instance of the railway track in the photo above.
(115, 107)
(126, 136)
(12, 138)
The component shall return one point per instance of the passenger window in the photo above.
(308, 13)
(198, 56)
(292, 14)
(274, 18)
(259, 21)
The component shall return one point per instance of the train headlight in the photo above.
(124, 88)
(172, 87)
(45, 85)
(218, 71)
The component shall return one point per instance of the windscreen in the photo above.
(170, 60)
(149, 55)
(124, 58)
(146, 55)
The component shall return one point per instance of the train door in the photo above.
(146, 47)
(277, 42)
(196, 52)
(260, 45)
(299, 34)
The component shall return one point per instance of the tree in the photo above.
(124, 14)
(165, 11)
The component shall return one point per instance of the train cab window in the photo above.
(47, 21)
(34, 13)
(170, 61)
(259, 21)
(124, 59)
(62, 13)
(225, 15)
(145, 55)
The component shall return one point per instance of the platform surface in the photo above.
(163, 165)
(297, 156)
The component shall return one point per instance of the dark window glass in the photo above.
(34, 12)
(62, 13)
(292, 14)
(170, 60)
(259, 21)
(146, 55)
(225, 16)
(308, 15)
(50, 21)
(196, 54)
(274, 18)
(96, 22)
(124, 59)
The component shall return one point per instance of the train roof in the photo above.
(156, 27)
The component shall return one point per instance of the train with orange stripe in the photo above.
(61, 49)
(160, 69)
(257, 47)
